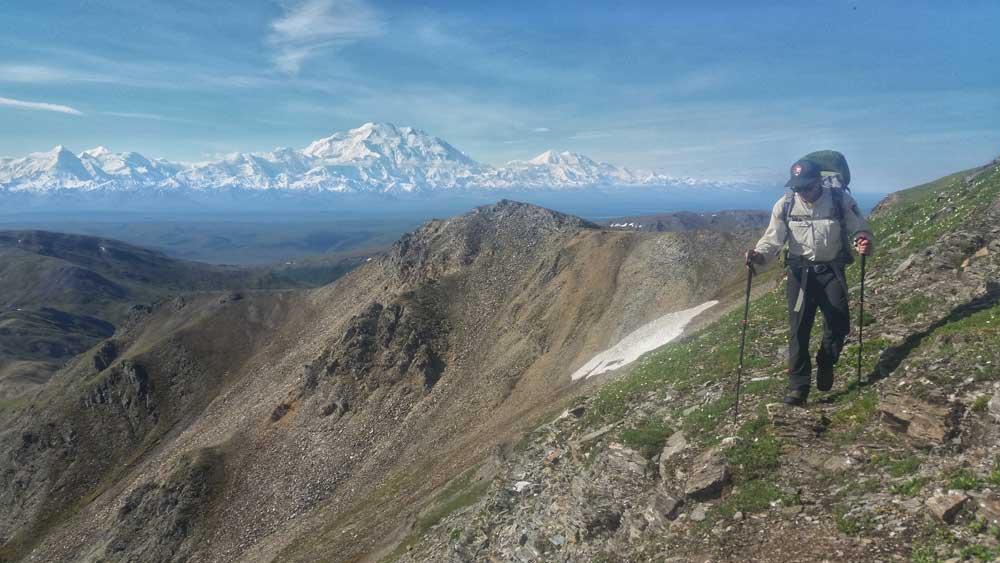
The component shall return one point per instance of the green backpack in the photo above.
(831, 163)
(836, 176)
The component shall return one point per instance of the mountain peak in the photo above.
(96, 151)
(546, 157)
(505, 227)
(505, 210)
(374, 126)
(58, 167)
(553, 156)
(386, 143)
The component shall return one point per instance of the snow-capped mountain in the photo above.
(127, 168)
(569, 169)
(94, 169)
(42, 170)
(373, 158)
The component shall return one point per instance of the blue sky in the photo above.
(909, 91)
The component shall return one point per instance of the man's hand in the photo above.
(863, 245)
(754, 257)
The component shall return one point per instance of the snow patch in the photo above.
(645, 338)
(629, 225)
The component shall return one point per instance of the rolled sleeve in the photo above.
(774, 237)
(855, 221)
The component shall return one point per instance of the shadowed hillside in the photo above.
(61, 294)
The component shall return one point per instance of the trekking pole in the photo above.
(743, 338)
(861, 320)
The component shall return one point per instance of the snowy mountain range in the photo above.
(375, 158)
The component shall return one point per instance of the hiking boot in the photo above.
(796, 398)
(824, 376)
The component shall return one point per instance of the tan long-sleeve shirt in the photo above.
(813, 231)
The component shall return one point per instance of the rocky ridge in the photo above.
(269, 425)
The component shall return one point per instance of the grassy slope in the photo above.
(910, 224)
(679, 373)
(713, 353)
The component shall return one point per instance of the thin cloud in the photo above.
(33, 74)
(541, 130)
(44, 74)
(147, 116)
(136, 115)
(39, 106)
(310, 27)
(92, 68)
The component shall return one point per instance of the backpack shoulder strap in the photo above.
(838, 204)
(786, 207)
(845, 240)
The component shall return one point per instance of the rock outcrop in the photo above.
(709, 474)
(920, 420)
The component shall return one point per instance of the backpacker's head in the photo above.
(806, 177)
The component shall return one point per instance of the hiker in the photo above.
(816, 220)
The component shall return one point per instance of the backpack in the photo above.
(836, 177)
(831, 162)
